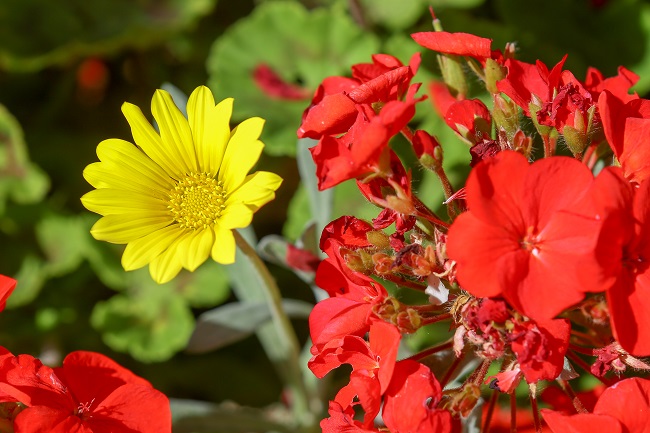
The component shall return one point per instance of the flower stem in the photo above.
(300, 398)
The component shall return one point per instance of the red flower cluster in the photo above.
(90, 393)
(542, 269)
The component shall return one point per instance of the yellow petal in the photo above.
(210, 127)
(257, 190)
(221, 126)
(167, 265)
(125, 228)
(133, 160)
(195, 249)
(107, 201)
(109, 175)
(144, 250)
(150, 142)
(174, 131)
(243, 151)
(236, 215)
(223, 250)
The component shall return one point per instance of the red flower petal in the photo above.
(581, 423)
(460, 44)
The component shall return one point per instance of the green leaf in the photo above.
(31, 278)
(233, 322)
(20, 179)
(64, 240)
(395, 16)
(207, 286)
(151, 326)
(191, 416)
(302, 47)
(61, 32)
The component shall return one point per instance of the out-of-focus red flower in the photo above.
(622, 408)
(526, 234)
(89, 393)
(411, 400)
(301, 259)
(627, 128)
(273, 86)
(7, 286)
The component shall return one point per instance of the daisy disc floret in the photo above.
(176, 195)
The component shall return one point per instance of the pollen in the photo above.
(197, 201)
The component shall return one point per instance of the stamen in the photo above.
(197, 201)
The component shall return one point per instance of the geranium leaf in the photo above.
(316, 44)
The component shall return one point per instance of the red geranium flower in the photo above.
(527, 234)
(89, 393)
(627, 128)
(622, 408)
(624, 254)
(7, 286)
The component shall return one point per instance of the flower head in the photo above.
(89, 393)
(176, 196)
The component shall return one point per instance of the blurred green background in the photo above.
(67, 66)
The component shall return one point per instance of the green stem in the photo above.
(300, 399)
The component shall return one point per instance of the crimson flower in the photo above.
(411, 400)
(90, 393)
(527, 233)
(624, 254)
(372, 366)
(7, 286)
(627, 128)
(622, 408)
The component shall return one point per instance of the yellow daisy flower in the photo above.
(176, 196)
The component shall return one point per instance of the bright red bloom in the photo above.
(622, 408)
(372, 366)
(527, 234)
(411, 400)
(527, 83)
(89, 393)
(7, 286)
(627, 128)
(363, 148)
(353, 295)
(624, 254)
(333, 109)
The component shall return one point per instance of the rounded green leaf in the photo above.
(301, 47)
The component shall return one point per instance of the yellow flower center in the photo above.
(197, 201)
